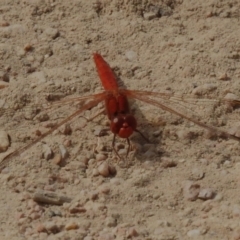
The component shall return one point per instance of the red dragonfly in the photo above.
(122, 122)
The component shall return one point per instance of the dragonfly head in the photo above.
(123, 125)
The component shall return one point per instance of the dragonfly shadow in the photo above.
(147, 139)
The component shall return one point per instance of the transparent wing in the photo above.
(93, 101)
(196, 110)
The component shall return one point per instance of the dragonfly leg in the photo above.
(146, 139)
(113, 146)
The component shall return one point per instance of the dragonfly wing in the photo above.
(97, 98)
(165, 107)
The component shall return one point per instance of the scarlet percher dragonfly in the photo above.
(122, 122)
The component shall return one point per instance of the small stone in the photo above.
(52, 32)
(28, 47)
(84, 160)
(40, 228)
(52, 227)
(204, 89)
(71, 226)
(206, 193)
(112, 170)
(38, 76)
(103, 169)
(95, 172)
(104, 189)
(231, 99)
(197, 174)
(191, 190)
(94, 195)
(111, 222)
(224, 77)
(131, 55)
(77, 210)
(47, 152)
(64, 152)
(20, 52)
(45, 50)
(4, 76)
(67, 130)
(150, 15)
(194, 233)
(101, 157)
(4, 141)
(57, 159)
(168, 163)
(4, 23)
(132, 233)
(122, 152)
(42, 117)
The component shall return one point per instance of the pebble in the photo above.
(103, 169)
(4, 141)
(110, 222)
(116, 181)
(149, 15)
(51, 227)
(191, 190)
(100, 157)
(112, 170)
(197, 174)
(194, 233)
(122, 152)
(131, 55)
(104, 189)
(168, 163)
(88, 238)
(71, 226)
(206, 193)
(40, 228)
(95, 172)
(47, 152)
(74, 209)
(224, 77)
(231, 99)
(64, 152)
(52, 32)
(204, 89)
(45, 51)
(132, 232)
(42, 117)
(4, 76)
(57, 159)
(67, 130)
(4, 23)
(20, 51)
(38, 76)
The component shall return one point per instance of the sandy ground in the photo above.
(182, 185)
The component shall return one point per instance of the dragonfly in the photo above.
(122, 122)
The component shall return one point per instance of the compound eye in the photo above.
(116, 124)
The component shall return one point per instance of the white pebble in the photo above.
(51, 32)
(103, 169)
(64, 152)
(203, 89)
(71, 226)
(131, 55)
(206, 193)
(194, 233)
(110, 222)
(191, 190)
(47, 152)
(100, 157)
(4, 141)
